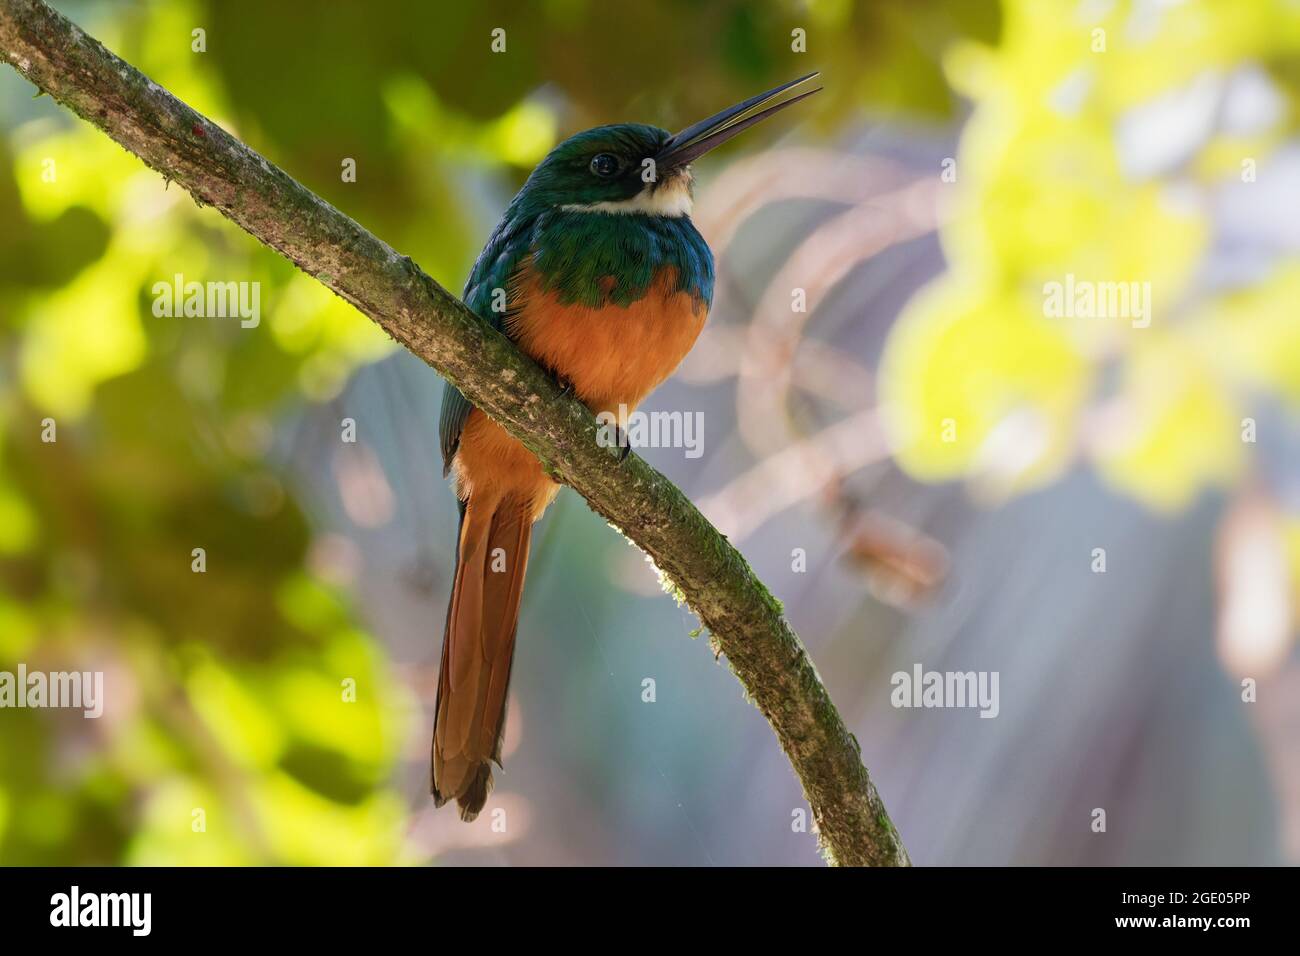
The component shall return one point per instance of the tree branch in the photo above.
(744, 618)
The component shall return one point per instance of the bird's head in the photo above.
(634, 168)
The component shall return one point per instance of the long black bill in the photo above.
(697, 139)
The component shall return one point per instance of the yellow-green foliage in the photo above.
(1041, 193)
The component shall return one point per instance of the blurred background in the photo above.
(923, 465)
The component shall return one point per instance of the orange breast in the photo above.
(612, 355)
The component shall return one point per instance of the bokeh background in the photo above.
(962, 155)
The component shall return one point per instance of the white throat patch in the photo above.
(670, 199)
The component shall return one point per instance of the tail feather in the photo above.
(511, 532)
(478, 651)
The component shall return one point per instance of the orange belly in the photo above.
(611, 356)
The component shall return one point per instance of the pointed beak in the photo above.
(696, 140)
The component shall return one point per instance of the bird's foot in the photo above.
(623, 443)
(614, 440)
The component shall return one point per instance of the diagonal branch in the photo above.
(746, 620)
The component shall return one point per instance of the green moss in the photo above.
(768, 597)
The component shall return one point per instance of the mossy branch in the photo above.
(744, 619)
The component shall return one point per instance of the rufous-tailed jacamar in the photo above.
(606, 283)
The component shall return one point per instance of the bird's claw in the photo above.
(622, 443)
(619, 447)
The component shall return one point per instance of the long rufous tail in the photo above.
(477, 650)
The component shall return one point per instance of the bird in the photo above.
(598, 274)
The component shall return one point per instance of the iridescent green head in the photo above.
(608, 164)
(634, 168)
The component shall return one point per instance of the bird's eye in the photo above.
(604, 164)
